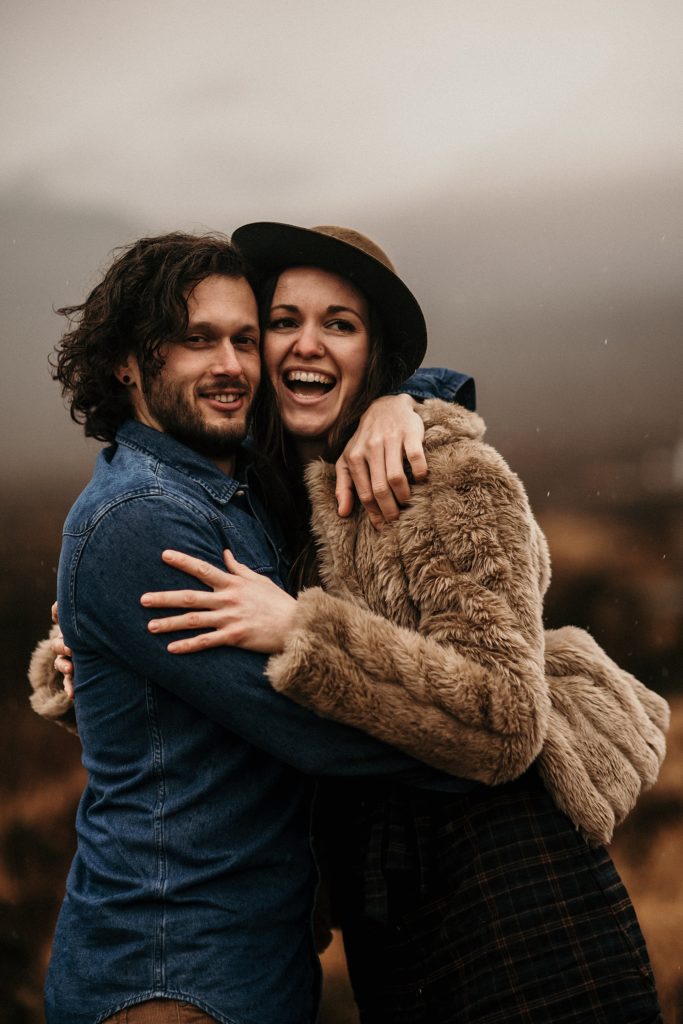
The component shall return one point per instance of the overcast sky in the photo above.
(522, 161)
(174, 109)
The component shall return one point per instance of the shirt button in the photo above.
(239, 494)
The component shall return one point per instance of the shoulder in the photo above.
(106, 567)
(124, 538)
(143, 517)
(472, 495)
(446, 422)
(111, 496)
(457, 454)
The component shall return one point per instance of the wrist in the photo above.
(286, 624)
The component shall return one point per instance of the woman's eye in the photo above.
(345, 326)
(282, 323)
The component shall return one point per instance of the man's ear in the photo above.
(128, 373)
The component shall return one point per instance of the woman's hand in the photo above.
(244, 608)
(63, 663)
(372, 462)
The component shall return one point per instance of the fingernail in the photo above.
(144, 599)
(153, 625)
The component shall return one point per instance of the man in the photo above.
(192, 885)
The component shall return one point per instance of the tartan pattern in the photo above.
(483, 909)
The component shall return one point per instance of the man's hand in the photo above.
(372, 462)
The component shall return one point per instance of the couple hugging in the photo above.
(353, 583)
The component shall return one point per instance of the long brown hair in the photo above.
(283, 483)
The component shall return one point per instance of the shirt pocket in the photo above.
(249, 544)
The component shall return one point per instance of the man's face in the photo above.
(203, 393)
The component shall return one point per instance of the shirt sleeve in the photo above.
(120, 560)
(439, 382)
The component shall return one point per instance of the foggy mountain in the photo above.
(566, 306)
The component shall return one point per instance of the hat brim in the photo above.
(270, 247)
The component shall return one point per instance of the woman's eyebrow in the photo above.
(343, 309)
(330, 311)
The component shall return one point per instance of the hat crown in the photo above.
(358, 240)
(271, 247)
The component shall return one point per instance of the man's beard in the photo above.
(182, 421)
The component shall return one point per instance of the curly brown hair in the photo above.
(140, 304)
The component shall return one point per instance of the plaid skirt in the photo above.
(481, 908)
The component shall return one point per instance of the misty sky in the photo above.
(522, 162)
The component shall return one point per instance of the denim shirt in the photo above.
(193, 877)
(438, 382)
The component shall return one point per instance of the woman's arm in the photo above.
(603, 737)
(461, 577)
(51, 697)
(604, 742)
(466, 683)
(242, 609)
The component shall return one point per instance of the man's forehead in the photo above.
(220, 296)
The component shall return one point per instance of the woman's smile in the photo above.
(308, 385)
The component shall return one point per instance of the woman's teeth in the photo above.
(309, 377)
(309, 383)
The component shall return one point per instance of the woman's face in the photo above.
(315, 347)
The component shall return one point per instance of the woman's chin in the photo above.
(306, 428)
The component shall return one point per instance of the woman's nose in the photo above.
(309, 342)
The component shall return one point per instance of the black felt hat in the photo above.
(271, 247)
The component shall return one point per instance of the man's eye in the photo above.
(195, 339)
(245, 339)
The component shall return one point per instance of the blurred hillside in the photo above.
(570, 318)
(521, 163)
(618, 570)
(566, 307)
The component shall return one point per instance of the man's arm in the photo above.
(439, 382)
(123, 554)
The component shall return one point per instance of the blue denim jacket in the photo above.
(193, 878)
(438, 382)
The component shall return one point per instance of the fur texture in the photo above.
(48, 698)
(429, 637)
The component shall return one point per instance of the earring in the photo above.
(126, 379)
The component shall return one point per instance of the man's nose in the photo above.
(309, 342)
(226, 360)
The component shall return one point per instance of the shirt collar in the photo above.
(184, 460)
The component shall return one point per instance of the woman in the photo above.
(485, 905)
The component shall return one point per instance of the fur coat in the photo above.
(429, 636)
